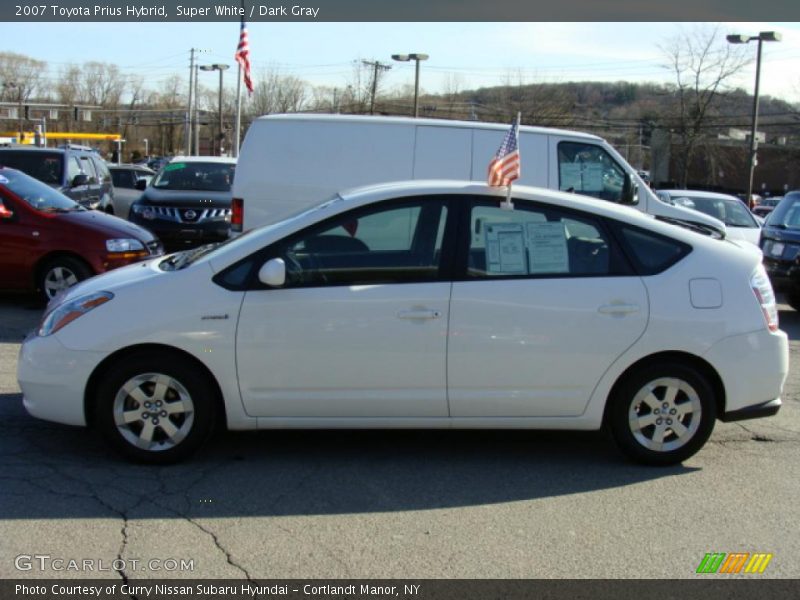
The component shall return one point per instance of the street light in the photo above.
(415, 57)
(221, 69)
(764, 36)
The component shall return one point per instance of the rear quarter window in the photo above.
(650, 252)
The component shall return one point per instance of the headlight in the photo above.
(124, 245)
(63, 314)
(144, 210)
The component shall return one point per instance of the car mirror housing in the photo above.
(273, 273)
(141, 184)
(630, 191)
(79, 180)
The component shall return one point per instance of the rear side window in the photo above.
(651, 253)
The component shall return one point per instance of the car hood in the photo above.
(111, 281)
(187, 198)
(107, 225)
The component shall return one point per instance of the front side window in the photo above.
(88, 168)
(400, 243)
(588, 169)
(533, 240)
(73, 168)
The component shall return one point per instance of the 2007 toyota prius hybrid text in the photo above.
(422, 304)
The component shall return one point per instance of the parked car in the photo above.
(76, 171)
(126, 177)
(188, 203)
(421, 304)
(780, 242)
(730, 210)
(49, 242)
(766, 206)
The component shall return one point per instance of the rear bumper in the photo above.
(758, 411)
(753, 368)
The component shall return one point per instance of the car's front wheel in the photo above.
(155, 408)
(662, 414)
(61, 273)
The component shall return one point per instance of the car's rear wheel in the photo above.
(61, 273)
(155, 408)
(663, 414)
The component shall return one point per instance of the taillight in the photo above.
(762, 289)
(237, 215)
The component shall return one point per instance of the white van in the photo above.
(290, 162)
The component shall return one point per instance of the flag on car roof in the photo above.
(242, 56)
(505, 166)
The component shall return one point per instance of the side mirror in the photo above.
(79, 180)
(630, 191)
(141, 184)
(273, 273)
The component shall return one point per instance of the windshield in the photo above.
(37, 194)
(44, 166)
(730, 211)
(787, 213)
(209, 177)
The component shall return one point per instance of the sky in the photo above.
(471, 54)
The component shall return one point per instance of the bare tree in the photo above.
(276, 93)
(101, 84)
(20, 76)
(703, 63)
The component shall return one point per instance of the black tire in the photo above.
(60, 273)
(651, 400)
(178, 416)
(793, 300)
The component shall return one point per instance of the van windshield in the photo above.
(35, 193)
(44, 166)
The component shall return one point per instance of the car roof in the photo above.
(365, 195)
(307, 117)
(699, 194)
(129, 166)
(205, 159)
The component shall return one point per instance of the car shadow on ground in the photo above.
(58, 472)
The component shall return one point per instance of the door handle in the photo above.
(419, 314)
(618, 309)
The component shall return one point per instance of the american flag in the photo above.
(242, 56)
(505, 166)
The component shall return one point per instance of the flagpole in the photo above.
(508, 204)
(238, 121)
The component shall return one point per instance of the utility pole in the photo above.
(188, 117)
(192, 104)
(377, 67)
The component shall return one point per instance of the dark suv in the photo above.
(780, 242)
(75, 171)
(188, 203)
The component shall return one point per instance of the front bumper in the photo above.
(53, 379)
(171, 232)
(753, 368)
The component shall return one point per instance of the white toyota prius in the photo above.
(421, 305)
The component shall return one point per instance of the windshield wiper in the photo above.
(694, 226)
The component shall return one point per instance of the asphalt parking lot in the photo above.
(391, 504)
